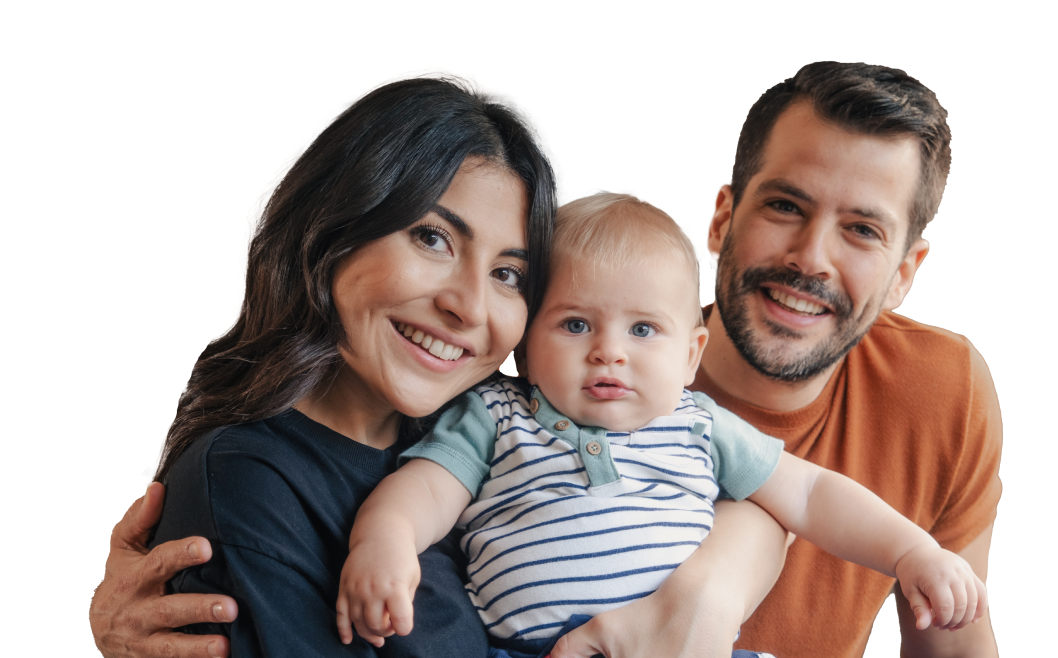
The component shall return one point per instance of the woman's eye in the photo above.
(508, 276)
(642, 330)
(431, 238)
(576, 326)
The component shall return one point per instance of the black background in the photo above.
(182, 150)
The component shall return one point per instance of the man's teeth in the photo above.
(432, 345)
(796, 304)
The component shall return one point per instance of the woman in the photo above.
(395, 266)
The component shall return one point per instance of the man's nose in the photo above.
(810, 252)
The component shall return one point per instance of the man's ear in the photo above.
(519, 357)
(699, 337)
(905, 274)
(721, 222)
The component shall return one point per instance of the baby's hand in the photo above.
(941, 588)
(376, 590)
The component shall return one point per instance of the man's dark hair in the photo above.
(862, 98)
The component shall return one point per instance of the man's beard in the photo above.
(732, 295)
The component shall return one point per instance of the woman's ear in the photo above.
(519, 357)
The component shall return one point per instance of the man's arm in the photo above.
(847, 520)
(975, 640)
(130, 616)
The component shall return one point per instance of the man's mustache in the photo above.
(754, 277)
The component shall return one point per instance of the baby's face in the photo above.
(615, 349)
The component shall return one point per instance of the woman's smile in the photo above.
(428, 341)
(431, 310)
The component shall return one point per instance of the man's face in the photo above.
(815, 249)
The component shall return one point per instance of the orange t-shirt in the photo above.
(911, 414)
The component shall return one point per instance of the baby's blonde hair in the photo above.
(618, 231)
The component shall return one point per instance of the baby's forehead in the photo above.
(664, 282)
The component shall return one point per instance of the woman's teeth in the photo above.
(432, 345)
(794, 303)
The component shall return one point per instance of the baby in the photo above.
(591, 482)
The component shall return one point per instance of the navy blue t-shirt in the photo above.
(276, 498)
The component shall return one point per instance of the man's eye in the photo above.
(865, 231)
(642, 330)
(784, 206)
(576, 326)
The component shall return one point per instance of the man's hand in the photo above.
(661, 624)
(377, 588)
(131, 616)
(941, 588)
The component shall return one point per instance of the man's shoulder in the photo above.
(893, 328)
(927, 372)
(897, 346)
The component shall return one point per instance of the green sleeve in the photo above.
(743, 456)
(463, 441)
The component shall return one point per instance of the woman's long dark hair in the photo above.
(379, 168)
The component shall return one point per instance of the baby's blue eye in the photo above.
(576, 326)
(642, 330)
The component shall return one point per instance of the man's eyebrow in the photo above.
(464, 229)
(785, 187)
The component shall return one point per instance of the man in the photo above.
(837, 172)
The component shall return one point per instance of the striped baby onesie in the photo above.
(578, 520)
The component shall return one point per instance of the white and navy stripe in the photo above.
(551, 534)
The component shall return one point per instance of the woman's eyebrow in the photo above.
(459, 225)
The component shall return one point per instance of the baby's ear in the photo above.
(699, 337)
(519, 358)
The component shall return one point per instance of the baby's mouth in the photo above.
(434, 346)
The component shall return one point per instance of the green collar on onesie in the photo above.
(590, 442)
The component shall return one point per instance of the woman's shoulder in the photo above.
(254, 483)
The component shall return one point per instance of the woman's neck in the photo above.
(346, 408)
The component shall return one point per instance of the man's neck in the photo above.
(725, 366)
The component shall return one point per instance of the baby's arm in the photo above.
(848, 521)
(407, 512)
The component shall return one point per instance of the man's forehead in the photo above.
(823, 163)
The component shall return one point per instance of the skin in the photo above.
(821, 233)
(633, 333)
(585, 353)
(455, 274)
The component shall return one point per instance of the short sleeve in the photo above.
(975, 491)
(743, 456)
(462, 442)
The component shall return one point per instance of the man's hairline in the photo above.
(736, 200)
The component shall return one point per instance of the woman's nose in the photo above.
(462, 295)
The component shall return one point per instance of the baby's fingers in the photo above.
(401, 613)
(345, 627)
(982, 599)
(976, 604)
(920, 607)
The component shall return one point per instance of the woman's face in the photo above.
(433, 309)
